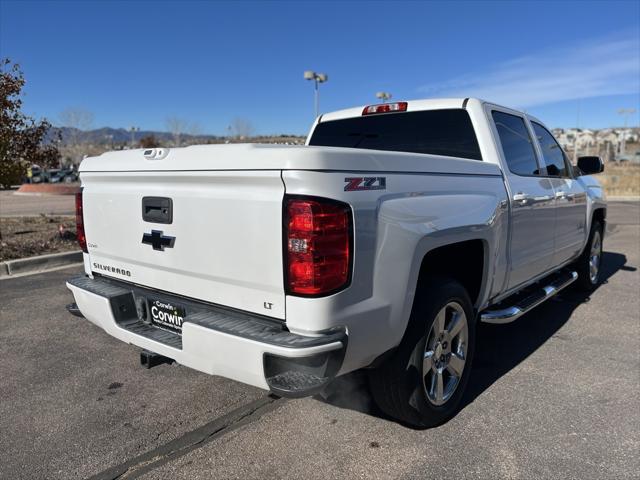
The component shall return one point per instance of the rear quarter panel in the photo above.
(394, 229)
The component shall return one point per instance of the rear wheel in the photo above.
(589, 263)
(423, 382)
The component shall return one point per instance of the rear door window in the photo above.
(436, 132)
(516, 143)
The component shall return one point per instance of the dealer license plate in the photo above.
(166, 315)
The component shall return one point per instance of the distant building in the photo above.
(607, 142)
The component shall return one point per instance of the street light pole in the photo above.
(316, 102)
(133, 132)
(317, 78)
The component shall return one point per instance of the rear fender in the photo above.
(395, 228)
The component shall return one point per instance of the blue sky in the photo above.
(137, 63)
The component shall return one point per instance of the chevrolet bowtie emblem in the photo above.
(157, 240)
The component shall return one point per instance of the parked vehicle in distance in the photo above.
(65, 175)
(36, 174)
(380, 244)
(54, 175)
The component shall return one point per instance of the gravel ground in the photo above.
(22, 237)
(553, 395)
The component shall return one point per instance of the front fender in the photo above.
(596, 199)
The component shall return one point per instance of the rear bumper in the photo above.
(248, 348)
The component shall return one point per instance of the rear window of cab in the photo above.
(436, 132)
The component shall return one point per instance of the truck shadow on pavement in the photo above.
(499, 348)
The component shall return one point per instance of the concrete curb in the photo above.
(41, 263)
(48, 189)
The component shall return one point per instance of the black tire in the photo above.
(586, 281)
(398, 385)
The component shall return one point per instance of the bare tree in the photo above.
(177, 126)
(241, 128)
(77, 120)
(149, 141)
(195, 131)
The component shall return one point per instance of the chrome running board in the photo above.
(509, 314)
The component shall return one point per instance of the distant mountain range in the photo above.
(117, 136)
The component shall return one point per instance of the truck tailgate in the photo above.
(227, 227)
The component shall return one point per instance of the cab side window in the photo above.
(552, 154)
(516, 144)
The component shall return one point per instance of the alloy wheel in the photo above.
(594, 258)
(445, 353)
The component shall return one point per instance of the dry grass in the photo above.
(621, 180)
(22, 237)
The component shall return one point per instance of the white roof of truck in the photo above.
(413, 105)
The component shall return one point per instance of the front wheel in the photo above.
(590, 261)
(423, 382)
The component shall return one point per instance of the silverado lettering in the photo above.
(109, 268)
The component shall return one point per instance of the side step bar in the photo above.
(509, 314)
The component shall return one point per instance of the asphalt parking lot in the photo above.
(554, 395)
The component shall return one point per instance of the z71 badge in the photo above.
(365, 183)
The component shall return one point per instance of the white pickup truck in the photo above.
(380, 244)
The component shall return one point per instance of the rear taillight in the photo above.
(385, 108)
(319, 245)
(82, 239)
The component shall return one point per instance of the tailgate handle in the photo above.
(157, 209)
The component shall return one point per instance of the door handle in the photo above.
(521, 198)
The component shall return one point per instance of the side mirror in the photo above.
(590, 165)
